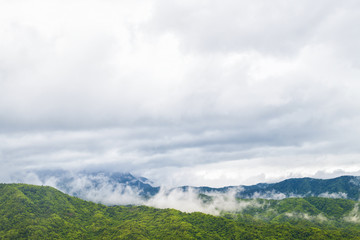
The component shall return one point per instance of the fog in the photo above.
(125, 189)
(101, 189)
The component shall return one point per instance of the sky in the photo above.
(182, 92)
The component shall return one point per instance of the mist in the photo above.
(125, 189)
(100, 188)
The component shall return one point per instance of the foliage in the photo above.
(346, 185)
(38, 212)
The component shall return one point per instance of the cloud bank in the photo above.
(209, 93)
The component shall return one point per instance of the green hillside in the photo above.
(310, 212)
(37, 212)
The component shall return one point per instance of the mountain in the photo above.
(100, 185)
(340, 187)
(38, 212)
(81, 183)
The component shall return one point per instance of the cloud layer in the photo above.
(201, 93)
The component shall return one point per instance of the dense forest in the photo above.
(39, 212)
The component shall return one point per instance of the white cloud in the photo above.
(333, 195)
(190, 201)
(217, 92)
(353, 215)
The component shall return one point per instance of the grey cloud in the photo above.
(260, 80)
(272, 27)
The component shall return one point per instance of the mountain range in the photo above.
(340, 187)
(298, 208)
(80, 184)
(41, 212)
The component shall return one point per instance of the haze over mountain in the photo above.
(340, 187)
(112, 188)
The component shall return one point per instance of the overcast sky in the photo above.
(183, 92)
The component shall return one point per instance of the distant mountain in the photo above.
(98, 185)
(340, 187)
(87, 184)
(38, 212)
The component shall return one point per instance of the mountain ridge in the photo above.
(87, 184)
(345, 186)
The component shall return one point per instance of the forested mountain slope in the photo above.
(38, 212)
(341, 187)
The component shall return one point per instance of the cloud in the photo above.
(105, 193)
(231, 26)
(315, 218)
(353, 215)
(333, 195)
(269, 195)
(190, 87)
(191, 201)
(125, 189)
(101, 188)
